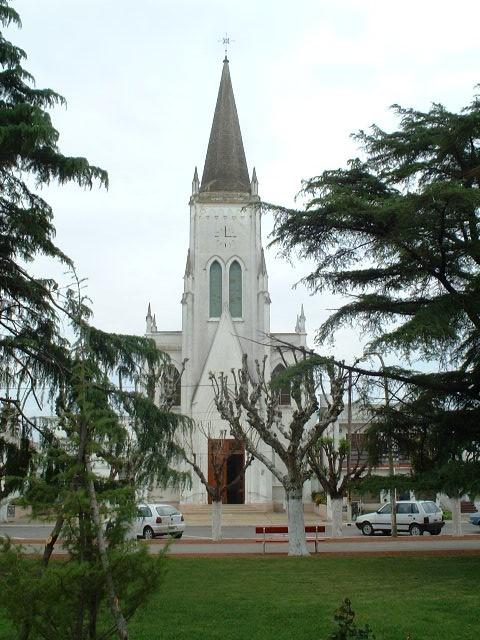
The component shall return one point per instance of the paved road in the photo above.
(41, 531)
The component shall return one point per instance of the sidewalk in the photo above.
(446, 546)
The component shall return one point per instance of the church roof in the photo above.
(225, 165)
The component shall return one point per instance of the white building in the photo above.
(226, 303)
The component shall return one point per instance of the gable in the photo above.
(225, 353)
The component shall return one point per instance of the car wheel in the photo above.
(435, 533)
(178, 535)
(416, 530)
(367, 529)
(148, 533)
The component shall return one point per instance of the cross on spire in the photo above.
(226, 42)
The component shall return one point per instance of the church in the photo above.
(225, 303)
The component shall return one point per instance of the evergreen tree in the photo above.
(94, 432)
(97, 420)
(400, 232)
(33, 353)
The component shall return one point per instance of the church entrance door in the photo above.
(226, 458)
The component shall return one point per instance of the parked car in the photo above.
(475, 518)
(413, 517)
(159, 520)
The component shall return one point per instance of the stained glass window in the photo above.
(235, 290)
(215, 290)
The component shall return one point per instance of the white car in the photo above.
(159, 520)
(413, 517)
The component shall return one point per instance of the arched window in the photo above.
(235, 290)
(284, 391)
(173, 385)
(215, 290)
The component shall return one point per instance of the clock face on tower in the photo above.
(224, 235)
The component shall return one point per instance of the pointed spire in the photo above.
(263, 265)
(195, 183)
(149, 319)
(254, 183)
(188, 265)
(300, 326)
(225, 165)
(154, 322)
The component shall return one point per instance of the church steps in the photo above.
(234, 509)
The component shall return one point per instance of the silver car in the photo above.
(159, 520)
(413, 517)
(475, 518)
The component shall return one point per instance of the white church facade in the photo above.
(225, 302)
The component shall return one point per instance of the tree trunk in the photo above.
(456, 516)
(93, 611)
(216, 520)
(120, 622)
(337, 517)
(297, 543)
(52, 539)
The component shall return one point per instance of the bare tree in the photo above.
(327, 460)
(253, 401)
(216, 484)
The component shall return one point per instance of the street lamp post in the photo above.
(391, 468)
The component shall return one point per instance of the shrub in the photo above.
(319, 497)
(346, 628)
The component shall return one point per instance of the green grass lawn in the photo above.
(287, 598)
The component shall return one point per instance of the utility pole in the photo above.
(349, 440)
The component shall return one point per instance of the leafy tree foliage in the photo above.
(99, 423)
(32, 351)
(345, 625)
(399, 231)
(68, 483)
(34, 354)
(31, 347)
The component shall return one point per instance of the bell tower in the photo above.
(225, 284)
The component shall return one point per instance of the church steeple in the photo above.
(225, 164)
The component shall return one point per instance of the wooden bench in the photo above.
(282, 530)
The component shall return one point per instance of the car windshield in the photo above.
(167, 511)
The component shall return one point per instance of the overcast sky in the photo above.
(141, 81)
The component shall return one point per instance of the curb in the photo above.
(325, 540)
